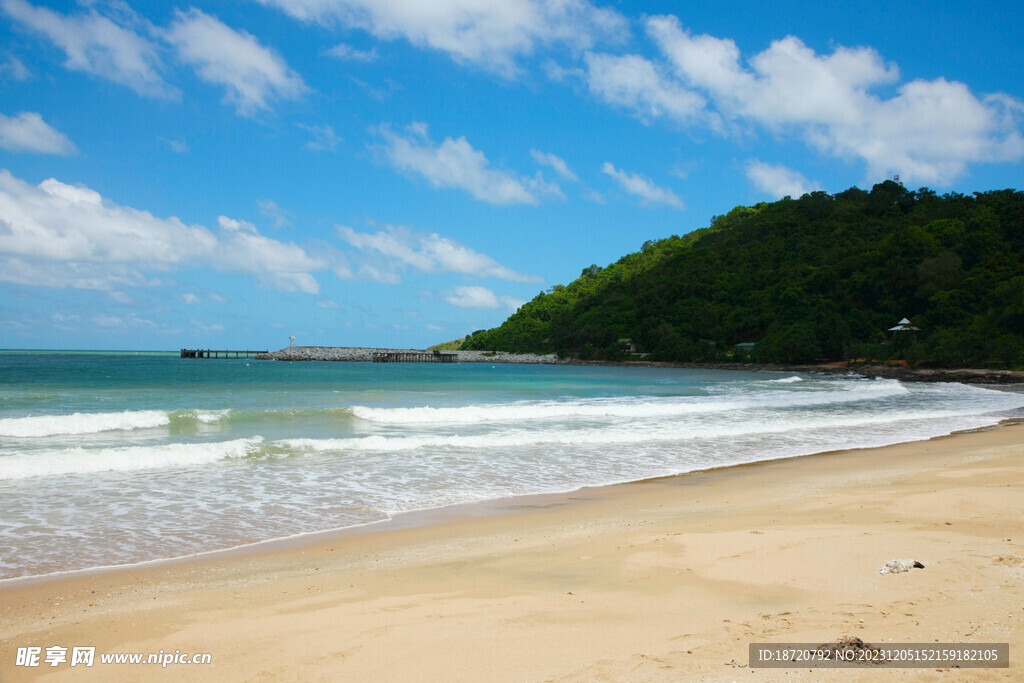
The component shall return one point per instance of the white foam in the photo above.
(857, 390)
(81, 461)
(549, 410)
(788, 380)
(625, 433)
(82, 423)
(211, 416)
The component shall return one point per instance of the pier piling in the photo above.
(414, 357)
(220, 353)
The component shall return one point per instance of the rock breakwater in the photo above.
(366, 355)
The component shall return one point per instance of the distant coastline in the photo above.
(888, 371)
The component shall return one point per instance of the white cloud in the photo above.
(641, 187)
(555, 162)
(471, 296)
(426, 253)
(485, 33)
(117, 322)
(176, 146)
(635, 83)
(27, 132)
(252, 74)
(511, 303)
(377, 274)
(324, 138)
(279, 265)
(778, 181)
(189, 299)
(97, 45)
(200, 327)
(456, 164)
(349, 53)
(327, 303)
(928, 131)
(475, 296)
(279, 218)
(14, 69)
(59, 235)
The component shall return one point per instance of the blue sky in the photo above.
(371, 173)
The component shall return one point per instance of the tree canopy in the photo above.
(819, 278)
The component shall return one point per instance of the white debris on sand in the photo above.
(897, 566)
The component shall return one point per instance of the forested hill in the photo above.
(822, 277)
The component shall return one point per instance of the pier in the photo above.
(414, 357)
(221, 353)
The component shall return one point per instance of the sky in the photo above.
(399, 173)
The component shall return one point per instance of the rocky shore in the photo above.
(899, 372)
(365, 354)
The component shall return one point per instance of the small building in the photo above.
(904, 326)
(904, 331)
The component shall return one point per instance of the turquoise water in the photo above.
(110, 459)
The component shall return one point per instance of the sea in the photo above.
(110, 459)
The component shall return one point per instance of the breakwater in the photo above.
(370, 355)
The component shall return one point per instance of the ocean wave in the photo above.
(82, 423)
(210, 416)
(628, 434)
(537, 411)
(127, 458)
(859, 390)
(787, 380)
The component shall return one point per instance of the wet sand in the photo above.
(667, 579)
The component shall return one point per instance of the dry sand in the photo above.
(660, 580)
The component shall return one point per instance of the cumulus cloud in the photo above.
(277, 264)
(401, 249)
(637, 84)
(59, 235)
(475, 296)
(642, 187)
(778, 181)
(928, 131)
(456, 164)
(95, 44)
(555, 162)
(491, 35)
(253, 75)
(27, 132)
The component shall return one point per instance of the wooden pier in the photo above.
(221, 353)
(414, 357)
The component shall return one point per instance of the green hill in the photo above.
(822, 277)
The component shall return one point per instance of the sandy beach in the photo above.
(668, 579)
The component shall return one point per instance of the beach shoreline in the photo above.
(443, 514)
(696, 565)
